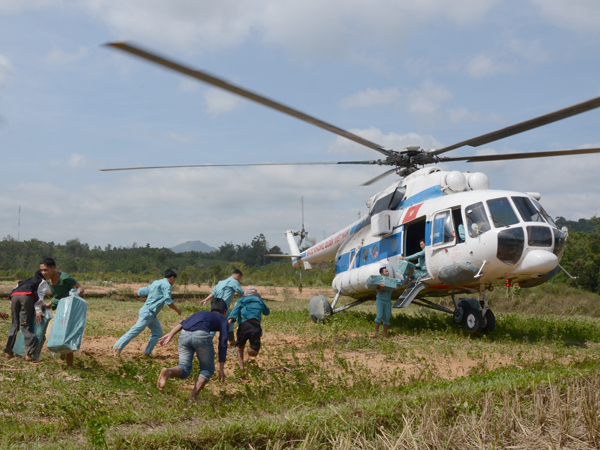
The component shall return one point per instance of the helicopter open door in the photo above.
(413, 233)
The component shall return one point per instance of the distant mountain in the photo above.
(193, 246)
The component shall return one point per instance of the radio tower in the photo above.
(19, 228)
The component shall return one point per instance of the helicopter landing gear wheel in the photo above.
(473, 320)
(489, 322)
(458, 315)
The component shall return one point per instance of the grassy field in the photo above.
(533, 383)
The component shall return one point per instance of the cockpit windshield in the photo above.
(528, 212)
(477, 221)
(544, 213)
(502, 212)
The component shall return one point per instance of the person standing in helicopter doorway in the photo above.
(420, 269)
(159, 295)
(60, 284)
(226, 289)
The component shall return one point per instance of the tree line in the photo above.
(20, 259)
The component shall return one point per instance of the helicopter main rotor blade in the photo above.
(379, 177)
(210, 79)
(242, 165)
(524, 126)
(482, 158)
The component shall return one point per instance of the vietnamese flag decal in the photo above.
(411, 213)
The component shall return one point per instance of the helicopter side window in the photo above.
(503, 214)
(390, 201)
(477, 221)
(381, 204)
(544, 213)
(397, 198)
(443, 230)
(527, 210)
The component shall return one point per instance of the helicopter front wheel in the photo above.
(489, 322)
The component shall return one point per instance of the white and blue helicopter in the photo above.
(475, 238)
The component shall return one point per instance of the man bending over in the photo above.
(195, 338)
(248, 311)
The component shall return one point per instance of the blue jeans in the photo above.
(200, 343)
(384, 311)
(146, 319)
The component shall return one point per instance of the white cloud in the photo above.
(196, 26)
(16, 6)
(6, 70)
(484, 65)
(337, 28)
(181, 138)
(370, 97)
(462, 115)
(425, 102)
(59, 57)
(530, 51)
(394, 141)
(316, 28)
(575, 15)
(220, 102)
(192, 202)
(76, 161)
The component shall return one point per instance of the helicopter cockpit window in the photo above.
(443, 228)
(397, 198)
(527, 210)
(503, 214)
(544, 213)
(381, 204)
(390, 201)
(477, 221)
(539, 237)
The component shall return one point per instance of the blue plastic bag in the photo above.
(39, 330)
(68, 325)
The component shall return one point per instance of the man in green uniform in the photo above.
(60, 284)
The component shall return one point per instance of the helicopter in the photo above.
(475, 238)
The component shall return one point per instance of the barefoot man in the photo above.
(195, 338)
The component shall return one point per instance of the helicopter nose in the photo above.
(537, 262)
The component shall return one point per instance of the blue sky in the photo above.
(397, 72)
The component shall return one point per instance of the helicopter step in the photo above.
(409, 294)
(469, 313)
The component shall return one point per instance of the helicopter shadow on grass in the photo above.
(568, 331)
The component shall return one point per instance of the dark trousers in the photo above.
(23, 315)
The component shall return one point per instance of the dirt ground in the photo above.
(420, 362)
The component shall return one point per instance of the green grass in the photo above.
(321, 386)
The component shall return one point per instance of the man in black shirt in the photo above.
(196, 339)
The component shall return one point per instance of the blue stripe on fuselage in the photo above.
(429, 193)
(386, 248)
